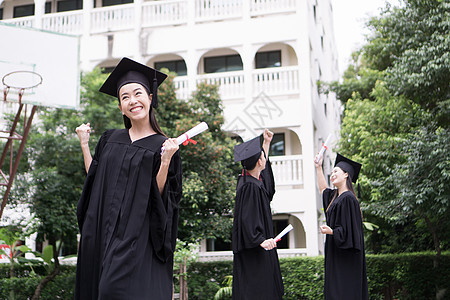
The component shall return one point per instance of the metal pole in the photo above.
(17, 161)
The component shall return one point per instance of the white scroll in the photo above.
(190, 133)
(283, 233)
(324, 147)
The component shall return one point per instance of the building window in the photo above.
(217, 245)
(277, 147)
(226, 63)
(269, 59)
(23, 11)
(48, 7)
(115, 2)
(177, 66)
(68, 5)
(278, 226)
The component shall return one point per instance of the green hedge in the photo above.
(392, 276)
(408, 276)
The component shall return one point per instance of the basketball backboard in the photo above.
(48, 60)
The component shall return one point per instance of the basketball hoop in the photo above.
(20, 80)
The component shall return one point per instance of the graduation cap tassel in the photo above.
(359, 192)
(155, 92)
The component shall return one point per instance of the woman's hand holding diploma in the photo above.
(186, 137)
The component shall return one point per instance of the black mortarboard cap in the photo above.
(130, 71)
(349, 166)
(248, 153)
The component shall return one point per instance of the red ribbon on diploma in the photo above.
(188, 140)
(325, 146)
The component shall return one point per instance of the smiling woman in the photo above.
(345, 260)
(128, 211)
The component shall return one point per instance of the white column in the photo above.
(247, 64)
(39, 11)
(192, 61)
(138, 56)
(88, 5)
(192, 70)
(246, 10)
(190, 12)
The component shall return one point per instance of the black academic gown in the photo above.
(345, 261)
(128, 229)
(256, 272)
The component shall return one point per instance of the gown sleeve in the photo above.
(326, 197)
(347, 231)
(165, 209)
(268, 180)
(83, 203)
(251, 223)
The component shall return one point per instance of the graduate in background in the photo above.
(345, 260)
(128, 210)
(256, 269)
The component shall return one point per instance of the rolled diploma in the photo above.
(324, 147)
(281, 234)
(190, 133)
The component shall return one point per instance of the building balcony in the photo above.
(153, 14)
(271, 81)
(287, 170)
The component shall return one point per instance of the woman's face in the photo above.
(338, 176)
(134, 101)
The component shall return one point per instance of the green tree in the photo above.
(412, 44)
(209, 171)
(421, 184)
(397, 85)
(373, 133)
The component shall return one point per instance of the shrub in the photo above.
(391, 276)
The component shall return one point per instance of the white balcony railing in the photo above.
(276, 80)
(271, 81)
(231, 84)
(158, 13)
(112, 18)
(217, 9)
(288, 170)
(259, 7)
(154, 13)
(70, 22)
(24, 21)
(181, 87)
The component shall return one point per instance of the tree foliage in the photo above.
(415, 43)
(396, 96)
(209, 171)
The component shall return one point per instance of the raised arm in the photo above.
(268, 135)
(321, 182)
(83, 132)
(170, 147)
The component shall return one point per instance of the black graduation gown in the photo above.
(256, 272)
(345, 260)
(128, 229)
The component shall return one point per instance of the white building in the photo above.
(267, 56)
